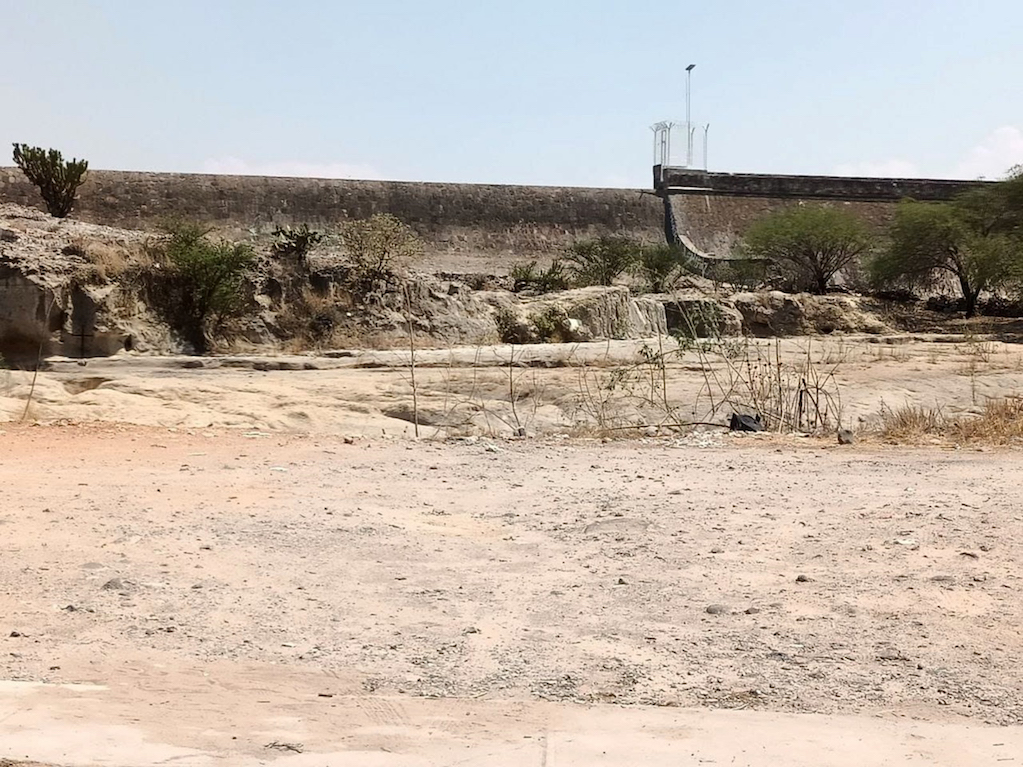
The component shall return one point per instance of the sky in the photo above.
(553, 92)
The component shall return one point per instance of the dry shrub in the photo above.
(910, 423)
(743, 376)
(107, 261)
(1000, 423)
(311, 319)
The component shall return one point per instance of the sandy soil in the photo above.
(202, 596)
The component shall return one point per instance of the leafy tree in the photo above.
(378, 248)
(199, 282)
(603, 260)
(57, 180)
(809, 244)
(972, 240)
(995, 208)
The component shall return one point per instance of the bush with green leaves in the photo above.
(295, 242)
(57, 180)
(377, 249)
(808, 244)
(198, 282)
(530, 277)
(739, 273)
(550, 324)
(603, 260)
(661, 266)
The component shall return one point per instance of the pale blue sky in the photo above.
(536, 91)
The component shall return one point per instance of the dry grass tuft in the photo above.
(1000, 423)
(910, 423)
(107, 261)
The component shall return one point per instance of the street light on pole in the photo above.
(689, 123)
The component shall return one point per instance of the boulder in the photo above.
(699, 315)
(597, 312)
(773, 313)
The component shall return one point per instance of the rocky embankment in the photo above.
(71, 288)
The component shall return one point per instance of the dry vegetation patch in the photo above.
(999, 423)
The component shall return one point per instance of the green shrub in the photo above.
(295, 242)
(57, 180)
(603, 260)
(740, 273)
(549, 324)
(198, 282)
(506, 323)
(661, 266)
(530, 277)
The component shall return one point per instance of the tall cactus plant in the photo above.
(56, 179)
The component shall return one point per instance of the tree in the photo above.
(603, 260)
(377, 248)
(810, 244)
(995, 208)
(972, 240)
(200, 282)
(57, 180)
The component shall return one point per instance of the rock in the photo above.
(621, 582)
(16, 635)
(773, 313)
(584, 314)
(717, 610)
(752, 610)
(846, 437)
(702, 316)
(804, 579)
(117, 584)
(651, 431)
(717, 551)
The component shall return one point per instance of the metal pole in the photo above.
(689, 130)
(706, 132)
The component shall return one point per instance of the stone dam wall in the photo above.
(479, 227)
(466, 227)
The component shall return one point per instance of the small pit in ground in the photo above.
(78, 385)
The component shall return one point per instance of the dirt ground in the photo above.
(221, 596)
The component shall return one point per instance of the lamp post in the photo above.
(689, 123)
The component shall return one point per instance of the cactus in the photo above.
(57, 180)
